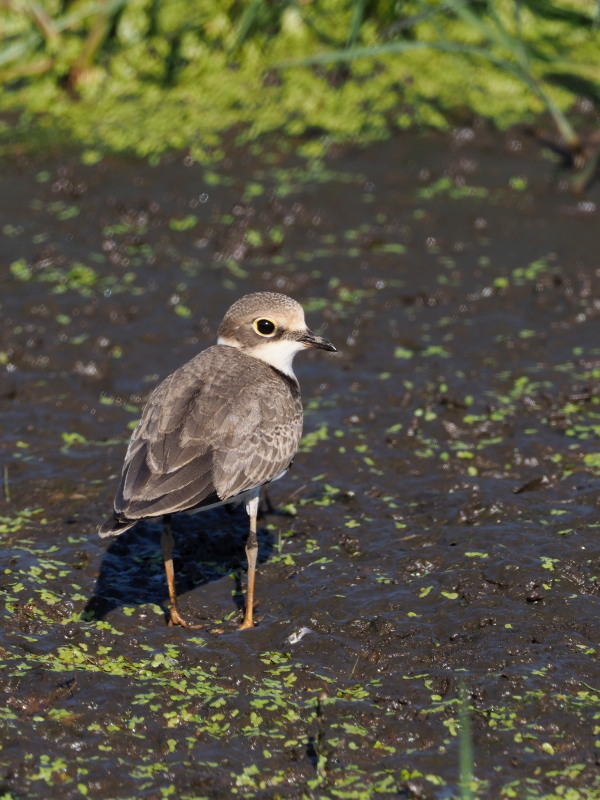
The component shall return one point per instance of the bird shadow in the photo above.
(208, 546)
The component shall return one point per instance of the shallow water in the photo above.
(437, 534)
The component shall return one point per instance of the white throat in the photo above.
(279, 354)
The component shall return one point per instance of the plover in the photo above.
(219, 428)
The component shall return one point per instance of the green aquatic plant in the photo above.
(151, 77)
(44, 32)
(503, 34)
(465, 748)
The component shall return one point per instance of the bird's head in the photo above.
(270, 327)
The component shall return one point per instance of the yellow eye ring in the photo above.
(265, 327)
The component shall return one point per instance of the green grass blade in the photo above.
(465, 748)
(72, 19)
(247, 21)
(358, 14)
(16, 49)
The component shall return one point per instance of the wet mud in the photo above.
(429, 573)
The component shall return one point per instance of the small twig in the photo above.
(6, 486)
(90, 47)
(43, 20)
(35, 68)
(582, 179)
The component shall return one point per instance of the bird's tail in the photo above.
(113, 526)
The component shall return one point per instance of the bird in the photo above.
(219, 428)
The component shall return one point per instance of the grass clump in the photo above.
(151, 77)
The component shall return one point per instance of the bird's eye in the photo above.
(264, 326)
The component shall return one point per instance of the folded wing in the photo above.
(209, 433)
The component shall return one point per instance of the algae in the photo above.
(148, 78)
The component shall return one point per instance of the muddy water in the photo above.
(435, 540)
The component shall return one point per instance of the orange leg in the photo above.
(251, 555)
(167, 543)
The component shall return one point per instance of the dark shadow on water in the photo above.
(208, 546)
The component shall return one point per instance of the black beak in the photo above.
(310, 339)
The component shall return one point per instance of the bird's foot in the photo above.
(175, 618)
(248, 622)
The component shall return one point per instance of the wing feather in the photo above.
(209, 432)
